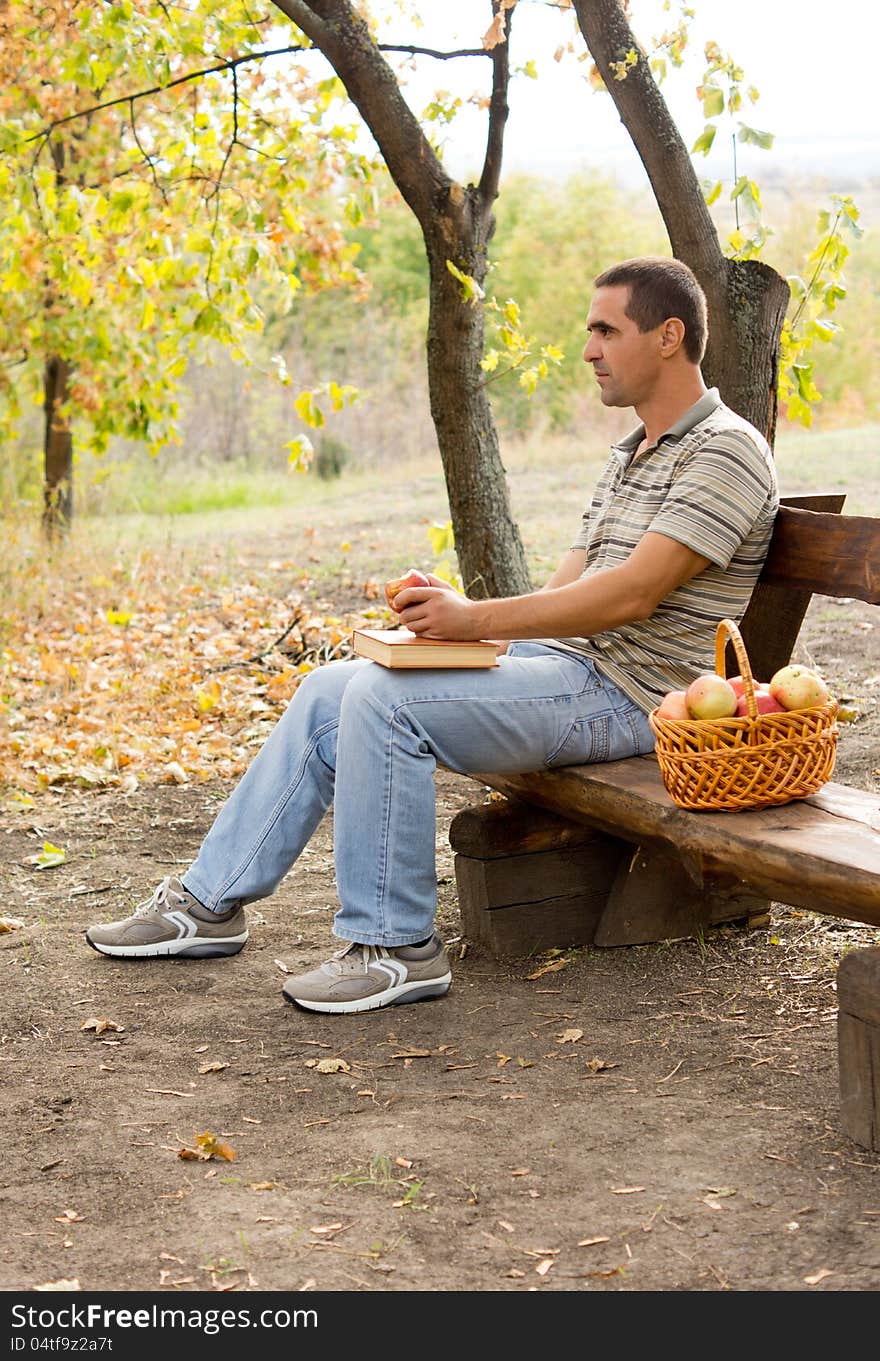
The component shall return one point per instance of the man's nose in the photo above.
(591, 350)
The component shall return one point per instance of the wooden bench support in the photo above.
(529, 880)
(655, 897)
(858, 1043)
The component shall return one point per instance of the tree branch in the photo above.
(231, 65)
(432, 52)
(339, 31)
(498, 114)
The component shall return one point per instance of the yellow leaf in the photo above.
(570, 1036)
(548, 968)
(101, 1023)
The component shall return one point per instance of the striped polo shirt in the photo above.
(709, 482)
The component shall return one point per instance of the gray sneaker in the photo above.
(362, 977)
(170, 922)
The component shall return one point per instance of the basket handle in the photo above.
(727, 628)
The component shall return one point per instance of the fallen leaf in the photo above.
(520, 1171)
(591, 1242)
(101, 1023)
(505, 1225)
(412, 1054)
(332, 1066)
(10, 924)
(169, 1257)
(570, 1036)
(548, 968)
(69, 1217)
(263, 1186)
(543, 1267)
(48, 857)
(625, 1190)
(201, 1049)
(207, 1146)
(215, 1067)
(515, 1273)
(279, 964)
(600, 1066)
(63, 1284)
(822, 1274)
(326, 1228)
(720, 1191)
(502, 1058)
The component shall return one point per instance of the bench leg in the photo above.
(528, 880)
(654, 898)
(858, 1046)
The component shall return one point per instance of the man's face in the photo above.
(626, 361)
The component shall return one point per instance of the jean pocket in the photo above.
(587, 740)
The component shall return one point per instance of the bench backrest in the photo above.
(814, 549)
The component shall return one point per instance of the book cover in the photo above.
(402, 648)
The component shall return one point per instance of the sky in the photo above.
(802, 55)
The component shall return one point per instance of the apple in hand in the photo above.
(710, 696)
(766, 703)
(411, 578)
(673, 705)
(797, 687)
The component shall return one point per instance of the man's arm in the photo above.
(570, 569)
(569, 606)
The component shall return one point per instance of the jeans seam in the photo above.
(275, 814)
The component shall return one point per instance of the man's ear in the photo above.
(671, 337)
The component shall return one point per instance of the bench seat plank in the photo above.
(821, 853)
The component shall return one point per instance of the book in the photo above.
(401, 647)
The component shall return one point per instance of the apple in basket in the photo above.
(797, 687)
(710, 696)
(767, 703)
(673, 705)
(411, 578)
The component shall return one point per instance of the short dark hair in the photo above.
(661, 288)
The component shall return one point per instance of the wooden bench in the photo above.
(600, 855)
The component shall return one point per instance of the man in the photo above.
(673, 541)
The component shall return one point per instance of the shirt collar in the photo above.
(701, 409)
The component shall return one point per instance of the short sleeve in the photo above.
(717, 496)
(583, 536)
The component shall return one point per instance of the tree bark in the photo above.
(57, 451)
(746, 298)
(456, 224)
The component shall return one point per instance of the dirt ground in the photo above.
(661, 1118)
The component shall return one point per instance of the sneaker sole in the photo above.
(179, 949)
(406, 992)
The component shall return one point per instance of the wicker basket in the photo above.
(729, 764)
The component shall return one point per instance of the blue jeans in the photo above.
(367, 740)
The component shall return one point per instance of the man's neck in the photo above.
(662, 409)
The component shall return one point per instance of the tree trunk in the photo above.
(490, 551)
(57, 451)
(746, 298)
(456, 225)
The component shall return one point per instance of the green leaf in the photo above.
(755, 136)
(470, 290)
(705, 140)
(713, 101)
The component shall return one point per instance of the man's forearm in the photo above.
(577, 610)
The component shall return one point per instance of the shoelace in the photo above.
(158, 898)
(367, 952)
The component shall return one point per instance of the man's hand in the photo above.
(438, 611)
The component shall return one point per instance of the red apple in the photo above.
(797, 687)
(766, 703)
(737, 685)
(673, 705)
(710, 696)
(411, 578)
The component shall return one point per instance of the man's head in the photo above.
(647, 324)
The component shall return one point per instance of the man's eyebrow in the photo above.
(599, 325)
